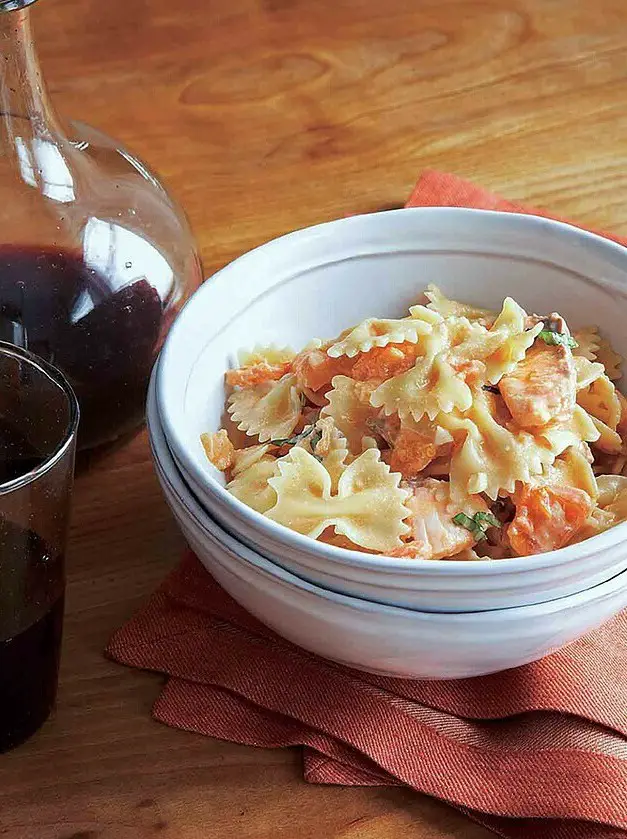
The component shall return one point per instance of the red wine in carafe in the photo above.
(103, 337)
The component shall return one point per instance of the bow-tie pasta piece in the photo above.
(350, 409)
(600, 400)
(588, 341)
(494, 351)
(608, 441)
(368, 508)
(593, 347)
(438, 302)
(580, 428)
(252, 484)
(611, 360)
(431, 386)
(488, 457)
(611, 509)
(515, 340)
(377, 332)
(613, 495)
(265, 353)
(586, 371)
(268, 411)
(243, 459)
(573, 469)
(331, 449)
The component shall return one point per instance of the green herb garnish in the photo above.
(464, 521)
(314, 439)
(478, 524)
(488, 519)
(556, 339)
(291, 441)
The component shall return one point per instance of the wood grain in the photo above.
(263, 116)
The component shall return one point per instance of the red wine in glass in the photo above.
(31, 609)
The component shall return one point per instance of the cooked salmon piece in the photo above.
(256, 374)
(382, 363)
(434, 533)
(314, 369)
(542, 387)
(411, 452)
(413, 446)
(219, 449)
(547, 518)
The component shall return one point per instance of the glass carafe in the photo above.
(95, 258)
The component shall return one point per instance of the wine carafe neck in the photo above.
(24, 103)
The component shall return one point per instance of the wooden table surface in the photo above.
(263, 116)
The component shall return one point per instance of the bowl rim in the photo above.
(206, 524)
(175, 439)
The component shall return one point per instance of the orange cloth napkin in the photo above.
(539, 752)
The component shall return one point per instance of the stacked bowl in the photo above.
(399, 617)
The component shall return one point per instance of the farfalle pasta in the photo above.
(489, 458)
(266, 410)
(453, 432)
(375, 332)
(587, 340)
(350, 410)
(610, 359)
(438, 302)
(368, 506)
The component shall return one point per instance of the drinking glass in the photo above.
(38, 423)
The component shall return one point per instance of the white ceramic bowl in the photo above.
(371, 636)
(317, 281)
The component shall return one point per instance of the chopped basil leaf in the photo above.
(557, 338)
(298, 438)
(291, 441)
(488, 518)
(478, 524)
(464, 521)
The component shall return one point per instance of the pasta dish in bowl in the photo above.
(423, 452)
(454, 432)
